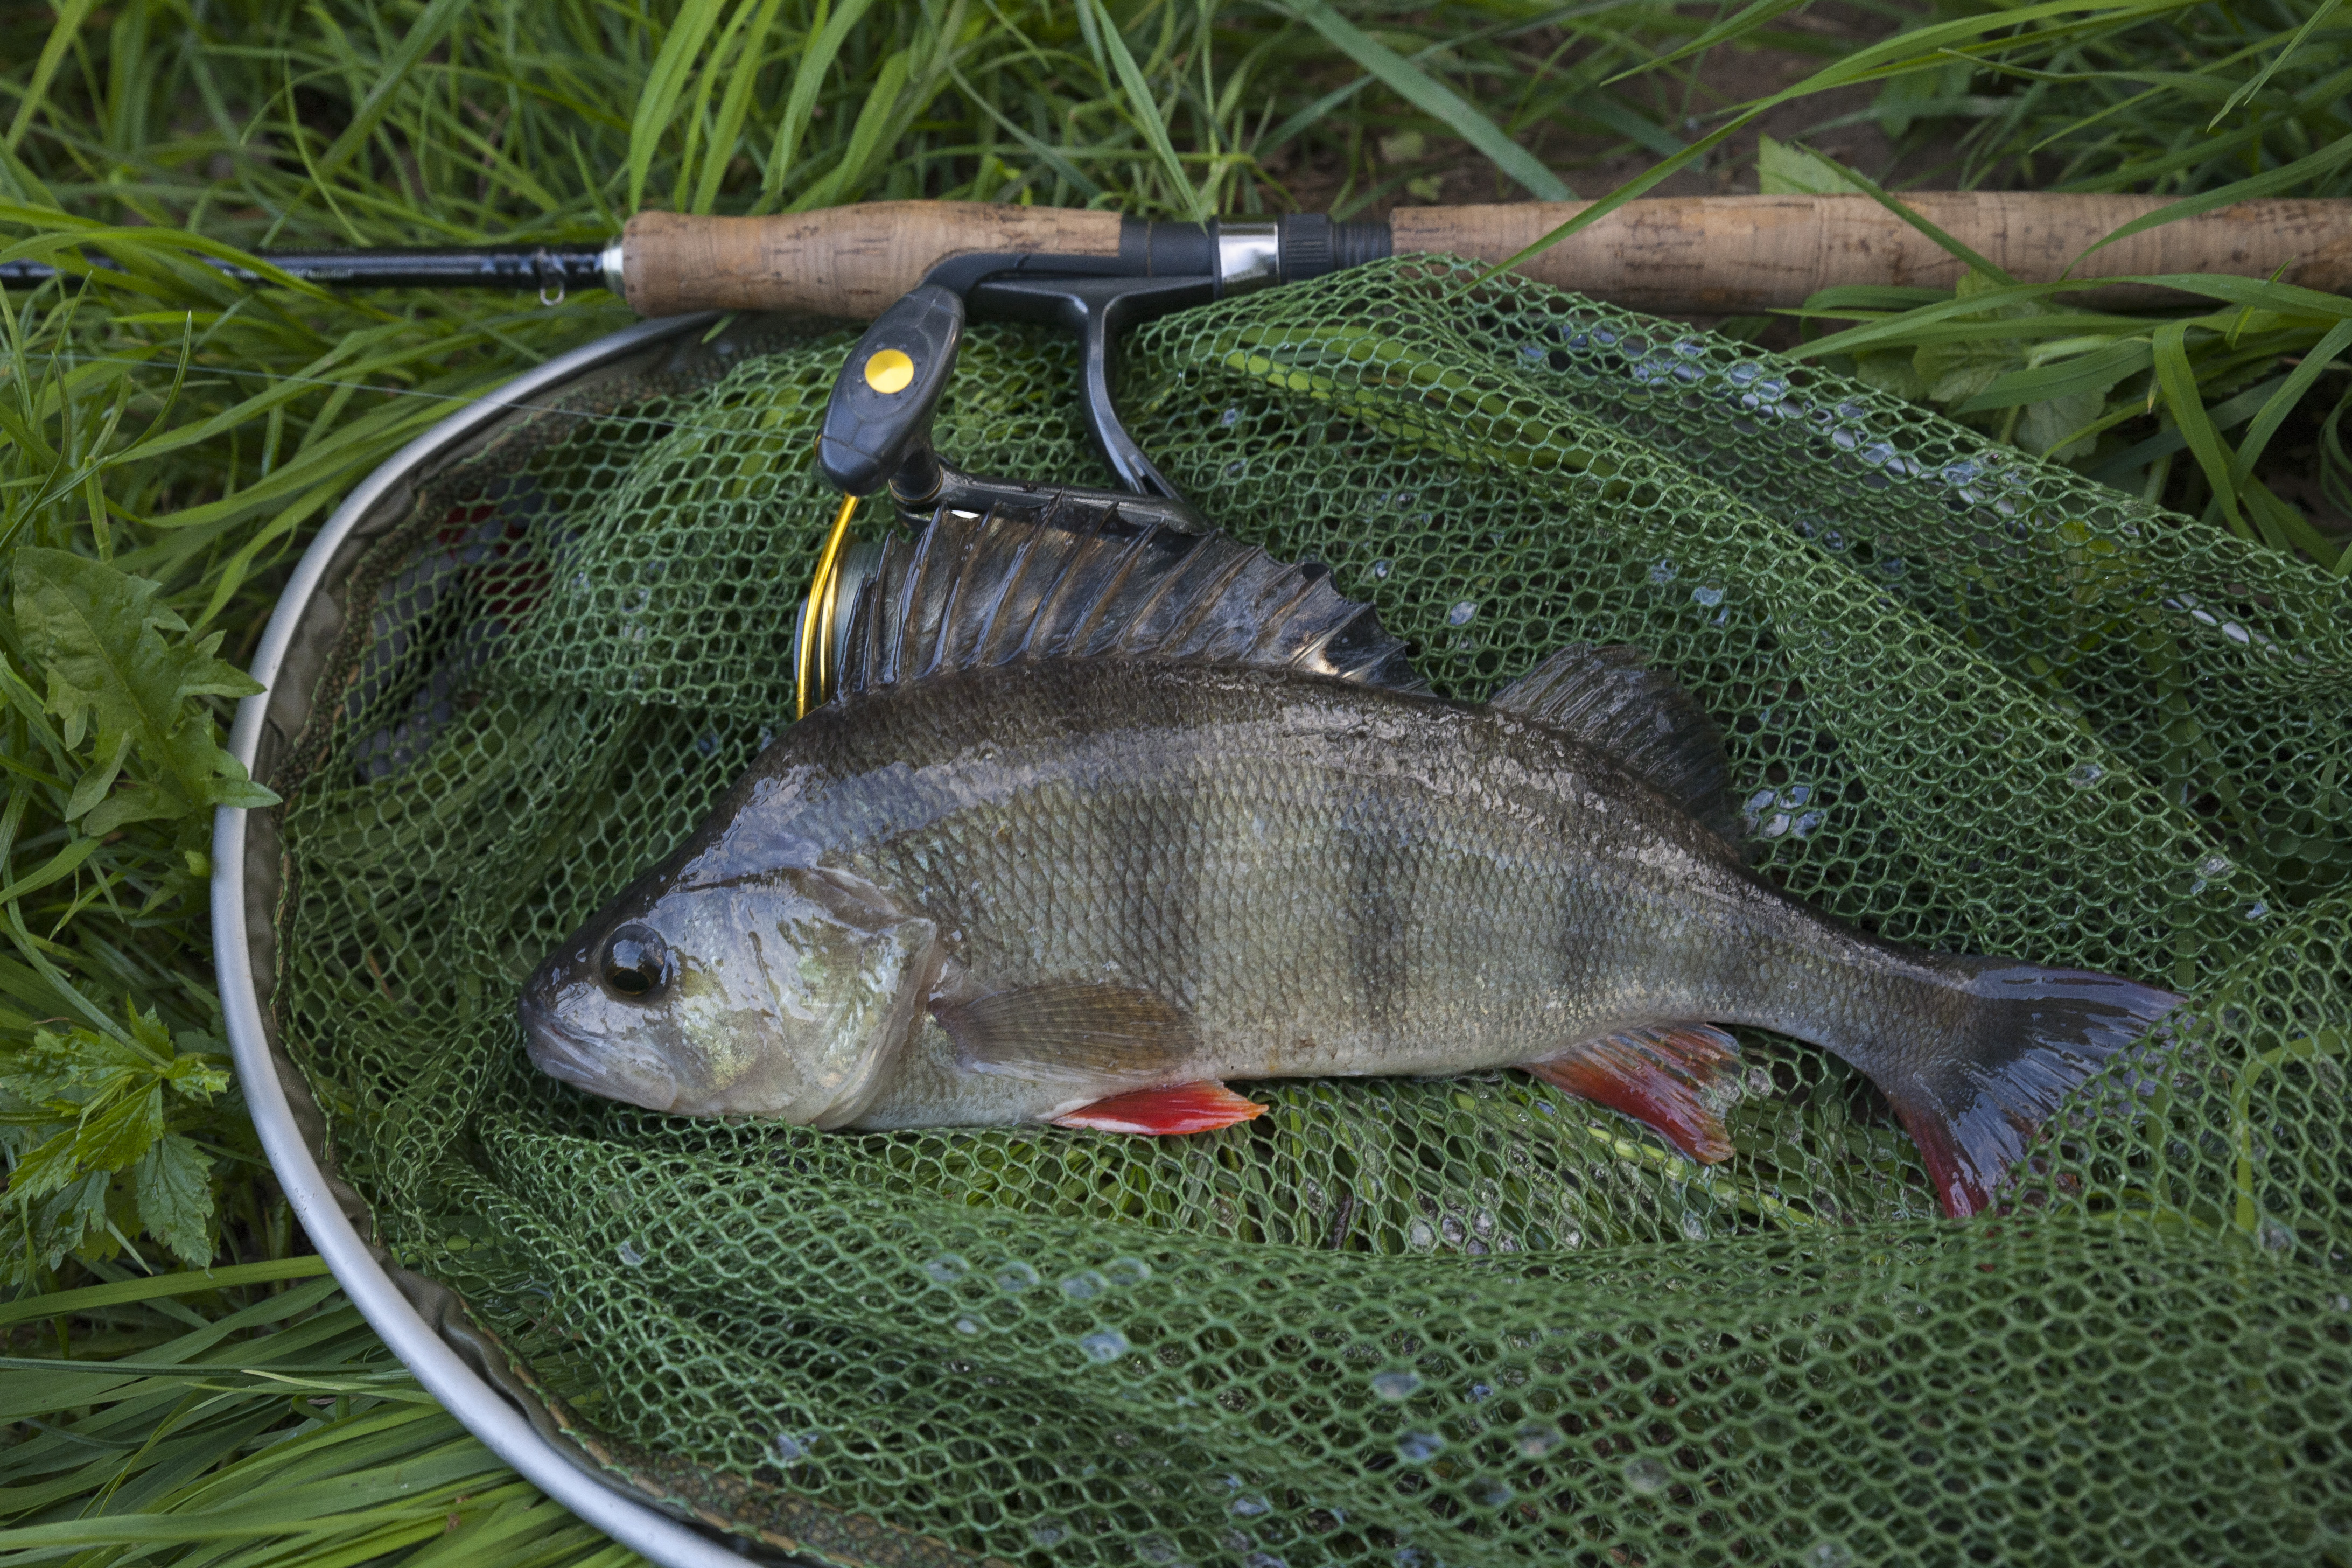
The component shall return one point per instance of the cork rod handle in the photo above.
(852, 261)
(1680, 255)
(1722, 255)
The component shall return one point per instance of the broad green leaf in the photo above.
(172, 1184)
(1785, 169)
(101, 635)
(121, 1134)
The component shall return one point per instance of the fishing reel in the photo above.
(877, 435)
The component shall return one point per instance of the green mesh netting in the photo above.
(1975, 703)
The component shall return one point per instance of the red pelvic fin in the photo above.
(1677, 1078)
(1180, 1108)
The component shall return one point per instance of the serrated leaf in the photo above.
(1785, 170)
(101, 635)
(45, 1169)
(1954, 371)
(1892, 370)
(141, 803)
(2050, 421)
(77, 1059)
(199, 1076)
(172, 1183)
(112, 1140)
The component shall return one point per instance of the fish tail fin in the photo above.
(2024, 1036)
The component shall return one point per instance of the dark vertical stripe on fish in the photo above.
(1378, 945)
(1160, 837)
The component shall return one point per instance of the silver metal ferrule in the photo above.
(1249, 254)
(609, 259)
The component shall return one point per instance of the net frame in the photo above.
(420, 1321)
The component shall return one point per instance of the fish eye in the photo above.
(637, 960)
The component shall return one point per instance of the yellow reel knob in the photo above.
(889, 371)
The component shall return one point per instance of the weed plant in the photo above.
(168, 440)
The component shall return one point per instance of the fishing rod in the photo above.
(1674, 255)
(915, 268)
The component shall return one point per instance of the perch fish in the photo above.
(1106, 816)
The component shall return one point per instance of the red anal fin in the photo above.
(1677, 1078)
(1180, 1108)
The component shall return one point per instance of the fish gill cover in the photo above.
(1973, 702)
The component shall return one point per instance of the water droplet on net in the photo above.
(1249, 1507)
(1661, 573)
(1127, 1270)
(1044, 1534)
(2084, 775)
(1759, 1081)
(1415, 1446)
(2276, 1237)
(1829, 1554)
(1103, 1345)
(1459, 615)
(947, 1268)
(1538, 1438)
(1157, 1549)
(966, 1325)
(1397, 1383)
(1646, 1477)
(2257, 910)
(2214, 867)
(1492, 1493)
(1710, 597)
(1016, 1276)
(627, 1252)
(1085, 1284)
(1382, 568)
(791, 1447)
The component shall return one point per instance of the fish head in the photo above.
(790, 993)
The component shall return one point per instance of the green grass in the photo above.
(160, 426)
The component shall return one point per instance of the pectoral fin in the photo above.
(1675, 1078)
(1180, 1108)
(1083, 1031)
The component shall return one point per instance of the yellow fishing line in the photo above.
(816, 621)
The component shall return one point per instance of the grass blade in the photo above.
(434, 25)
(2271, 182)
(1144, 109)
(1433, 99)
(657, 104)
(808, 80)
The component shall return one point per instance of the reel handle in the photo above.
(877, 423)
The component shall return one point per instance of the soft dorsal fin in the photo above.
(1607, 699)
(1079, 581)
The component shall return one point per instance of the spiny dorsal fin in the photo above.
(1605, 698)
(1081, 581)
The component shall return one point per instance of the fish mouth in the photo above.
(632, 1077)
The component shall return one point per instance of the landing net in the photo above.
(1974, 702)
